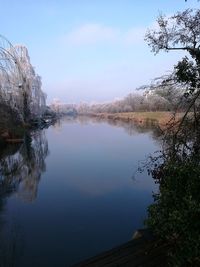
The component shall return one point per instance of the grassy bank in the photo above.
(160, 118)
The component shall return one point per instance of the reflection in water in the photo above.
(11, 246)
(20, 171)
(93, 146)
(87, 202)
(131, 128)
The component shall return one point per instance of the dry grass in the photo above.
(161, 118)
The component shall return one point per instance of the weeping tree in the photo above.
(175, 214)
(20, 86)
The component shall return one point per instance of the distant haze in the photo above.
(90, 50)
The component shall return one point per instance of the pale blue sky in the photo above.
(89, 50)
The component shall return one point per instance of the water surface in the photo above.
(69, 192)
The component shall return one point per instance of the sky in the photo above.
(90, 50)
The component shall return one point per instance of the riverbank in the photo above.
(158, 118)
(13, 133)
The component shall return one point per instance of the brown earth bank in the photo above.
(13, 128)
(10, 124)
(12, 135)
(162, 119)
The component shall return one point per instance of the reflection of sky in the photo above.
(96, 159)
(87, 201)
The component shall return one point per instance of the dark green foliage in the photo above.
(175, 214)
(186, 72)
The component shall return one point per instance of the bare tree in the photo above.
(181, 32)
(20, 86)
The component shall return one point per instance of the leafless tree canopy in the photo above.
(20, 86)
(179, 32)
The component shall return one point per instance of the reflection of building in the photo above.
(22, 170)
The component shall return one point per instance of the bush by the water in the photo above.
(175, 214)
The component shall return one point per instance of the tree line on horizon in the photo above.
(154, 97)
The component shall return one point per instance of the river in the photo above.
(72, 191)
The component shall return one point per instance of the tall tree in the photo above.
(180, 32)
(174, 215)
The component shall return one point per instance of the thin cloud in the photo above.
(92, 34)
(135, 36)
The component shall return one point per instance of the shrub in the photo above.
(175, 214)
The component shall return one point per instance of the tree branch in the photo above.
(178, 48)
